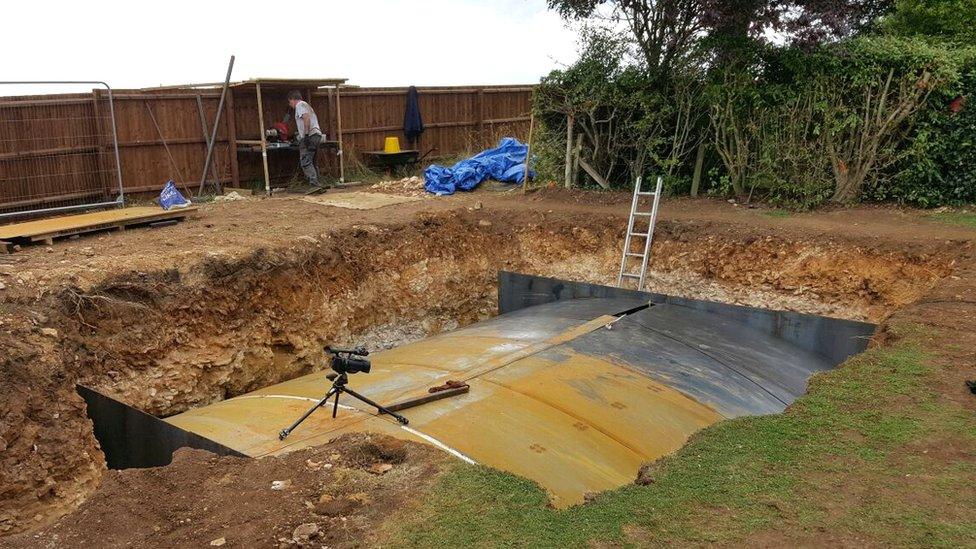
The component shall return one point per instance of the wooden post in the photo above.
(569, 150)
(232, 139)
(342, 168)
(264, 141)
(528, 153)
(577, 150)
(214, 168)
(699, 163)
(480, 122)
(100, 141)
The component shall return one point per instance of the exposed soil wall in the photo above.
(168, 340)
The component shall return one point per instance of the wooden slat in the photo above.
(69, 124)
(428, 398)
(46, 229)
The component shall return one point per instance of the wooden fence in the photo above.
(161, 135)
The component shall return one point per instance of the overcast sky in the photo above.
(372, 43)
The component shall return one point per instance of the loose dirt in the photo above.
(331, 496)
(248, 292)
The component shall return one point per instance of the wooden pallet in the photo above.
(46, 230)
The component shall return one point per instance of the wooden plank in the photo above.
(528, 156)
(576, 157)
(20, 155)
(42, 102)
(594, 174)
(428, 398)
(699, 163)
(508, 120)
(43, 229)
(481, 116)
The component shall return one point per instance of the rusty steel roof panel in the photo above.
(555, 395)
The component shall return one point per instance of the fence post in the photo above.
(232, 139)
(569, 151)
(100, 150)
(481, 117)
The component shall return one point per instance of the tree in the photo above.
(950, 20)
(665, 31)
(669, 33)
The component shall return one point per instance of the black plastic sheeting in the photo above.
(131, 438)
(739, 360)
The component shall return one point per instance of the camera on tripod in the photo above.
(344, 362)
(349, 361)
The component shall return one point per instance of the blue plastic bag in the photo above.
(171, 197)
(505, 163)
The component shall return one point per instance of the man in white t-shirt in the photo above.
(309, 136)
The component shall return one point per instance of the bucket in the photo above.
(391, 145)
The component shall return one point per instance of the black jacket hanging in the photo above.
(413, 123)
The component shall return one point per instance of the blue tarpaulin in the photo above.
(505, 163)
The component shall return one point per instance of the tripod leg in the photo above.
(285, 432)
(379, 407)
(335, 406)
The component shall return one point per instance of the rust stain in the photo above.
(573, 423)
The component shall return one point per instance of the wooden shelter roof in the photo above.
(290, 82)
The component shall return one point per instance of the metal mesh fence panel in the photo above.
(58, 153)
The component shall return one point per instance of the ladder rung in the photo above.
(644, 214)
(635, 255)
(628, 275)
(646, 194)
(644, 235)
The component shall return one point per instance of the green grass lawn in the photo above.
(779, 214)
(855, 460)
(961, 219)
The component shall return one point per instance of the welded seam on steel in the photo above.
(532, 350)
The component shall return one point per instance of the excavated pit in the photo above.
(167, 341)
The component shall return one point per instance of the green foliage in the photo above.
(864, 118)
(789, 471)
(951, 20)
(937, 164)
(630, 125)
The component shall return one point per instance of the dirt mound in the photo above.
(327, 496)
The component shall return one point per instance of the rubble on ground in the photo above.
(408, 186)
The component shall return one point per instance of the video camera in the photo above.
(344, 362)
(349, 361)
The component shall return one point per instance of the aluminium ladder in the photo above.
(648, 237)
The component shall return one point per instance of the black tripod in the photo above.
(339, 382)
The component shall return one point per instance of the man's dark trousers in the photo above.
(307, 150)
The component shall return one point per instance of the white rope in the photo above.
(440, 445)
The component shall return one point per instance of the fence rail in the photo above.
(77, 150)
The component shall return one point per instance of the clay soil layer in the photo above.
(245, 294)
